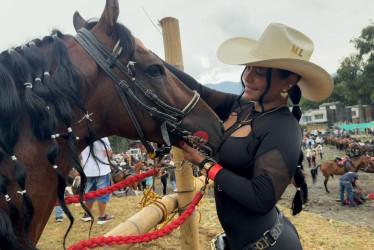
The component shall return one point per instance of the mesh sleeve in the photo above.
(274, 166)
(262, 192)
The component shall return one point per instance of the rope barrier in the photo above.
(119, 240)
(108, 190)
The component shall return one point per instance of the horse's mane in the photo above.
(28, 82)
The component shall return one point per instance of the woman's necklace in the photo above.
(246, 120)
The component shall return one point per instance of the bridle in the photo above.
(169, 117)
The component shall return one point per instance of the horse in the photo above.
(122, 174)
(331, 168)
(62, 93)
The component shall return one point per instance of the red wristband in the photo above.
(213, 171)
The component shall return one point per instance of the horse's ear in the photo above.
(78, 21)
(109, 17)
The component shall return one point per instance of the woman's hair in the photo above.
(294, 93)
(295, 96)
(301, 195)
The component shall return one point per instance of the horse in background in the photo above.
(121, 174)
(331, 168)
(56, 99)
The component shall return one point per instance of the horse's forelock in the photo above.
(127, 41)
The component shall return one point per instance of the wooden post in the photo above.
(185, 184)
(172, 42)
(184, 177)
(146, 219)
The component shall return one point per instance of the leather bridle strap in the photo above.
(87, 35)
(170, 115)
(101, 62)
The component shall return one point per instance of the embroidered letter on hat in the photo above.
(296, 50)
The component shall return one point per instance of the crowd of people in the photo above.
(312, 144)
(99, 173)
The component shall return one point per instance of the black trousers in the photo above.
(164, 183)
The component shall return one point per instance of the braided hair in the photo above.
(295, 96)
(300, 198)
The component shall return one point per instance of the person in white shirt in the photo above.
(309, 156)
(98, 177)
(320, 150)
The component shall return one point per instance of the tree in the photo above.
(305, 104)
(354, 83)
(348, 79)
(365, 82)
(119, 144)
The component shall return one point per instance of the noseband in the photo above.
(170, 117)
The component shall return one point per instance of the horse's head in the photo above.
(130, 90)
(364, 164)
(361, 162)
(49, 85)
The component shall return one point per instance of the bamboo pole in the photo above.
(185, 186)
(184, 178)
(148, 217)
(172, 42)
(143, 221)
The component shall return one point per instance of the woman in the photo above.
(262, 143)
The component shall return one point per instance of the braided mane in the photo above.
(39, 78)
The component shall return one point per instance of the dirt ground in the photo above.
(327, 204)
(323, 223)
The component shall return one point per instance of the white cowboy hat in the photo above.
(281, 47)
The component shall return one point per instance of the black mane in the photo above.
(28, 81)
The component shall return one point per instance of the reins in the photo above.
(170, 117)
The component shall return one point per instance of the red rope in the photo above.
(108, 190)
(119, 240)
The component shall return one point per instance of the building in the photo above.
(315, 119)
(326, 116)
(337, 113)
(367, 111)
(334, 114)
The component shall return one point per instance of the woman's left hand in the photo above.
(191, 154)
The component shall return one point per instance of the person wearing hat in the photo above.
(262, 144)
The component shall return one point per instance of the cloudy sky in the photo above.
(204, 25)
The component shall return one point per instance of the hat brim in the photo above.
(316, 83)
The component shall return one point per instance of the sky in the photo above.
(204, 25)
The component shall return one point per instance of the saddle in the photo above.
(341, 161)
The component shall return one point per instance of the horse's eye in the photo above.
(156, 70)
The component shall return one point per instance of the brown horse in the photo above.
(121, 175)
(331, 168)
(62, 93)
(370, 166)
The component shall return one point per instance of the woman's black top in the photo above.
(256, 168)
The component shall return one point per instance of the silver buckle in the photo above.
(268, 232)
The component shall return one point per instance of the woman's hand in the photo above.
(191, 154)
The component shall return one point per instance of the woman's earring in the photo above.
(284, 93)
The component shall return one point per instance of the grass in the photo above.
(315, 231)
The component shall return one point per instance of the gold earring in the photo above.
(284, 93)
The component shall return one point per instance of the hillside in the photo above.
(228, 87)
